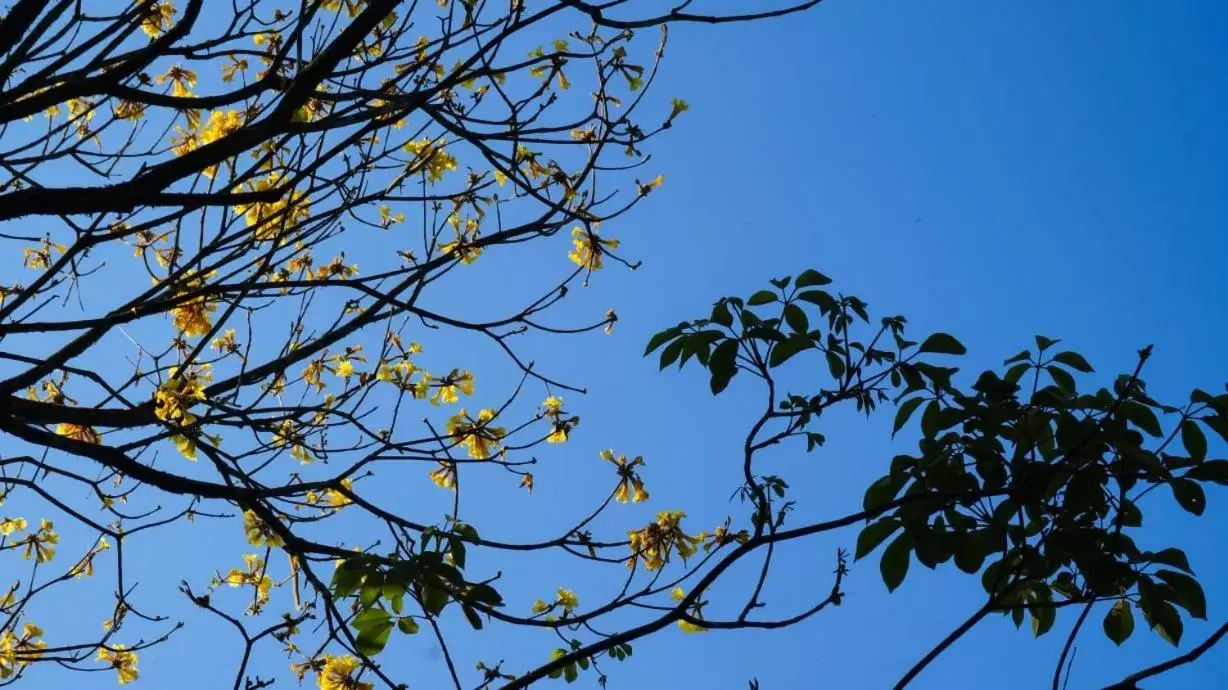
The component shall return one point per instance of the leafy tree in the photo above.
(183, 340)
(1024, 476)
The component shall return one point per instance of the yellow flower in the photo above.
(337, 499)
(258, 533)
(41, 545)
(180, 391)
(540, 606)
(387, 218)
(465, 245)
(272, 218)
(656, 542)
(122, 660)
(452, 384)
(286, 434)
(553, 405)
(193, 316)
(566, 598)
(678, 595)
(158, 17)
(430, 158)
(630, 486)
(345, 368)
(526, 482)
(16, 652)
(253, 576)
(338, 672)
(10, 525)
(181, 80)
(677, 107)
(477, 435)
(445, 476)
(588, 248)
(83, 434)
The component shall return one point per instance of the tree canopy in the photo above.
(185, 348)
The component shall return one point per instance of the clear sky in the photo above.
(993, 170)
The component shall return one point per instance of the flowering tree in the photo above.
(184, 340)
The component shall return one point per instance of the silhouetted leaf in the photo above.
(1142, 417)
(1189, 494)
(1074, 360)
(1171, 556)
(942, 343)
(905, 412)
(894, 564)
(1194, 441)
(1189, 592)
(1061, 378)
(723, 365)
(874, 534)
(761, 298)
(825, 302)
(811, 277)
(1210, 471)
(1119, 622)
(796, 318)
(783, 351)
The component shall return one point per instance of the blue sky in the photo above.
(992, 170)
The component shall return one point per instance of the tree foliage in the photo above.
(184, 340)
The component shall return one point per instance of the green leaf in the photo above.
(1023, 356)
(811, 277)
(943, 344)
(783, 351)
(1142, 417)
(1061, 378)
(1016, 372)
(835, 365)
(484, 594)
(472, 615)
(1194, 440)
(1164, 619)
(761, 298)
(1189, 592)
(1189, 494)
(723, 365)
(670, 354)
(1044, 343)
(825, 302)
(1210, 471)
(1170, 556)
(570, 674)
(721, 315)
(969, 556)
(373, 626)
(931, 419)
(883, 491)
(408, 625)
(1042, 619)
(434, 598)
(894, 564)
(1218, 424)
(1119, 622)
(874, 534)
(1074, 360)
(796, 318)
(659, 339)
(347, 578)
(904, 412)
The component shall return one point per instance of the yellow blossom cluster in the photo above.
(655, 543)
(588, 248)
(122, 659)
(338, 673)
(561, 424)
(629, 483)
(430, 158)
(193, 316)
(258, 533)
(253, 576)
(696, 611)
(272, 219)
(16, 652)
(41, 545)
(479, 437)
